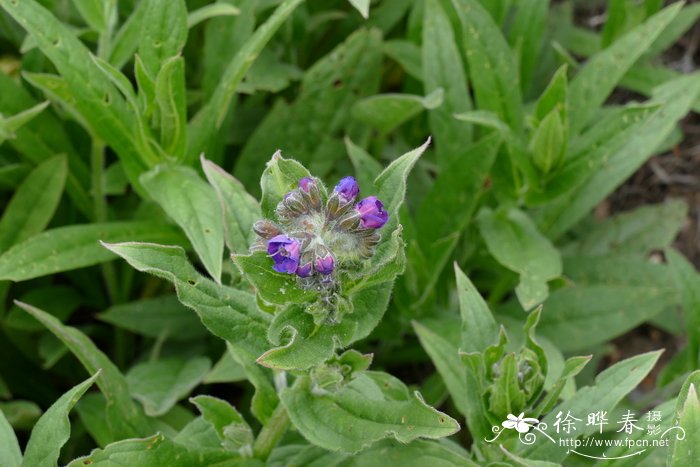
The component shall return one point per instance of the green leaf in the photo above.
(279, 178)
(447, 208)
(226, 370)
(208, 120)
(609, 388)
(386, 112)
(229, 424)
(265, 399)
(33, 204)
(633, 232)
(95, 13)
(492, 66)
(53, 428)
(124, 416)
(161, 384)
(445, 357)
(609, 296)
(126, 40)
(156, 317)
(8, 125)
(599, 76)
(193, 205)
(171, 99)
(310, 128)
(22, 415)
(684, 447)
(416, 453)
(228, 313)
(689, 281)
(211, 11)
(443, 68)
(405, 53)
(240, 210)
(572, 367)
(272, 286)
(10, 454)
(549, 142)
(513, 239)
(362, 6)
(479, 328)
(163, 34)
(76, 246)
(363, 412)
(391, 183)
(525, 35)
(674, 98)
(157, 451)
(97, 101)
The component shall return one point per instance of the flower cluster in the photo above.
(316, 235)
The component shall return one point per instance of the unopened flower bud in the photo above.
(305, 268)
(324, 262)
(266, 229)
(350, 221)
(310, 192)
(347, 189)
(372, 214)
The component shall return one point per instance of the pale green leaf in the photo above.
(211, 11)
(361, 413)
(161, 384)
(193, 205)
(240, 210)
(228, 313)
(386, 112)
(95, 12)
(362, 6)
(53, 428)
(684, 449)
(124, 416)
(156, 317)
(33, 204)
(163, 33)
(76, 246)
(513, 239)
(599, 76)
(10, 454)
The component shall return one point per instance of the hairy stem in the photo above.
(271, 433)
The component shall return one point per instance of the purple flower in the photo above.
(285, 253)
(347, 188)
(306, 183)
(325, 264)
(372, 214)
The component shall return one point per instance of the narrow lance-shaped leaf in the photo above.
(10, 454)
(8, 125)
(479, 328)
(211, 11)
(603, 71)
(124, 417)
(77, 246)
(492, 67)
(53, 428)
(684, 449)
(443, 68)
(163, 33)
(172, 103)
(34, 203)
(388, 111)
(210, 117)
(193, 204)
(240, 209)
(366, 167)
(94, 12)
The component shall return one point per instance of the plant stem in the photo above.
(271, 433)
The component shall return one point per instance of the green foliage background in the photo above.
(138, 137)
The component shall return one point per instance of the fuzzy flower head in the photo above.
(319, 236)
